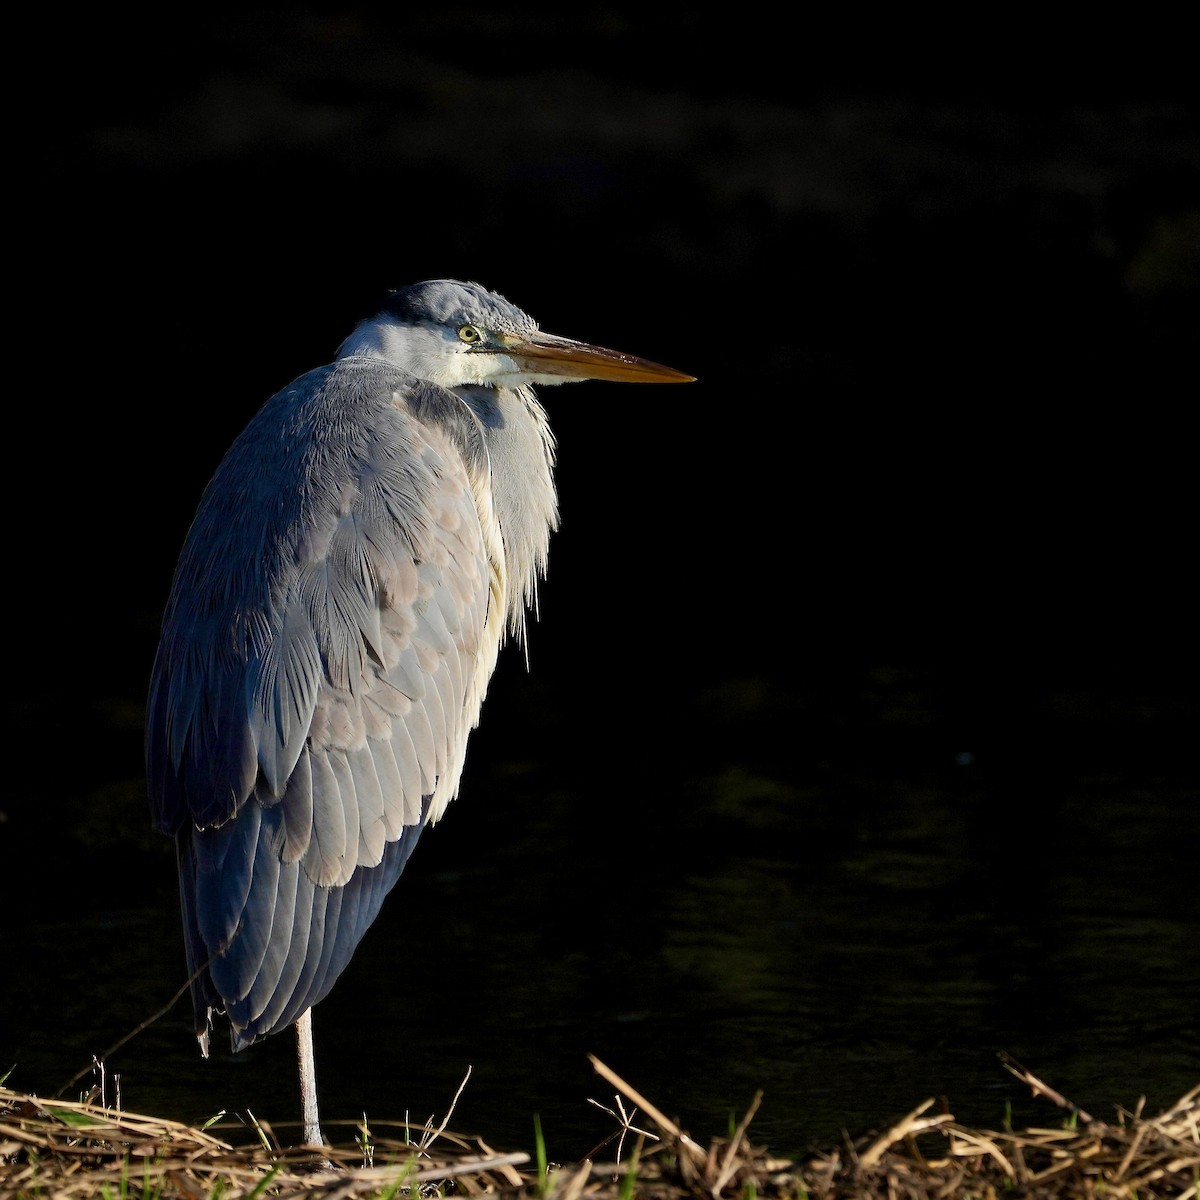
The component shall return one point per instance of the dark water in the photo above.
(851, 922)
(859, 741)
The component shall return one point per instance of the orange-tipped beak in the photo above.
(547, 354)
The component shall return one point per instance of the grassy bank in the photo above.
(61, 1149)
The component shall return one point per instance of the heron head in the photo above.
(458, 334)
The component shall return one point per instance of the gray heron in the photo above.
(364, 548)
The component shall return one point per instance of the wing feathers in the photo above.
(326, 855)
(234, 974)
(271, 992)
(371, 825)
(315, 687)
(297, 809)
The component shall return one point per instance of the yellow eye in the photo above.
(470, 334)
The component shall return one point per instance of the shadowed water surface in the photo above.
(850, 933)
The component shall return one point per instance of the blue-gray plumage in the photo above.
(335, 617)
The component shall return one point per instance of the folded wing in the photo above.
(331, 630)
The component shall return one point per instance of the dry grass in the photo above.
(54, 1148)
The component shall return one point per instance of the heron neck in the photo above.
(521, 456)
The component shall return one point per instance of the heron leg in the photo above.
(308, 1079)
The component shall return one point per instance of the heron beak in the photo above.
(546, 354)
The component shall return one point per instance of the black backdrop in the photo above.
(940, 296)
(942, 307)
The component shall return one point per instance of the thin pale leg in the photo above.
(308, 1079)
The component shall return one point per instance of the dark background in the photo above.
(929, 506)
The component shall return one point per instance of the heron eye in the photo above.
(470, 334)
